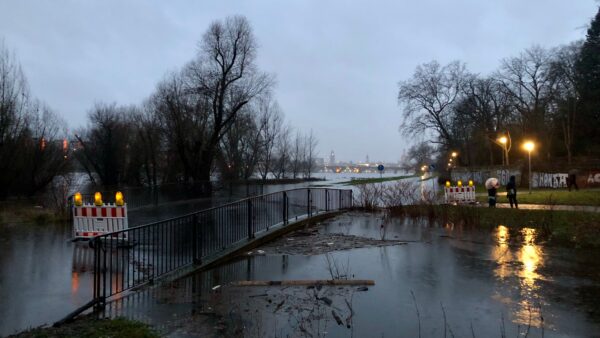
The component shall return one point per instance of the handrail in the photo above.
(129, 258)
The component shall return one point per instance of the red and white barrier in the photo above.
(459, 194)
(90, 220)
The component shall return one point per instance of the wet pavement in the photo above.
(585, 208)
(445, 281)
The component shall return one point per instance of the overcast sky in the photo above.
(337, 63)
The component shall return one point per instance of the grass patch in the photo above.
(552, 196)
(23, 211)
(359, 181)
(565, 228)
(92, 328)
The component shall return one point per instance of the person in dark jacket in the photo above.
(492, 197)
(511, 192)
(572, 179)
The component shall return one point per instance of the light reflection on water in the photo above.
(524, 263)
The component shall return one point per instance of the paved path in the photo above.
(586, 208)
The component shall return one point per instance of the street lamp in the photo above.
(504, 142)
(529, 146)
(454, 154)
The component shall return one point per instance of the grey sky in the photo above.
(337, 63)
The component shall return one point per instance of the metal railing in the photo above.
(127, 259)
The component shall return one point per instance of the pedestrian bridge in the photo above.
(131, 258)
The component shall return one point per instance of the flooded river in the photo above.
(44, 276)
(442, 281)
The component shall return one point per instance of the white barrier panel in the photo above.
(459, 194)
(90, 220)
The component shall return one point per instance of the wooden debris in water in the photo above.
(304, 282)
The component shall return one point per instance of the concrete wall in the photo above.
(551, 179)
(481, 174)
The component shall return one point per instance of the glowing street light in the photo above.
(529, 146)
(504, 142)
(454, 154)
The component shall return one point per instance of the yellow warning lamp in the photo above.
(459, 183)
(470, 183)
(448, 183)
(119, 201)
(77, 199)
(98, 199)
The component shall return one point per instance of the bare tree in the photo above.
(149, 139)
(221, 81)
(240, 147)
(105, 143)
(526, 79)
(427, 98)
(270, 120)
(283, 153)
(14, 117)
(566, 95)
(418, 155)
(480, 115)
(45, 157)
(298, 154)
(310, 146)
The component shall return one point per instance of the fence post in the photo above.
(308, 209)
(351, 199)
(249, 208)
(94, 245)
(285, 206)
(326, 199)
(196, 254)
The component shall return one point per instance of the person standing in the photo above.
(492, 197)
(511, 192)
(572, 180)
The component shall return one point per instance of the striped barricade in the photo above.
(90, 220)
(459, 194)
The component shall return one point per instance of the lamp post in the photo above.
(504, 142)
(529, 146)
(451, 162)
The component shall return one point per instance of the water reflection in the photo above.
(521, 257)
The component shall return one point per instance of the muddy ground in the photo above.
(238, 311)
(313, 241)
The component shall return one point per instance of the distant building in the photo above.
(332, 158)
(319, 161)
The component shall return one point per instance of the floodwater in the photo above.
(44, 276)
(444, 281)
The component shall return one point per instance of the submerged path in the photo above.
(586, 208)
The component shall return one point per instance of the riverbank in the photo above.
(93, 328)
(26, 211)
(565, 228)
(547, 196)
(359, 181)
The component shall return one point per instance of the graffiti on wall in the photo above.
(480, 176)
(593, 178)
(585, 178)
(549, 180)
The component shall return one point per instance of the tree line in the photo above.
(216, 116)
(548, 95)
